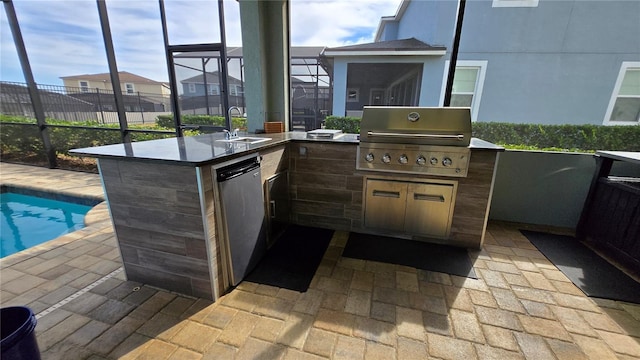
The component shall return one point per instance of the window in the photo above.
(84, 86)
(515, 3)
(464, 85)
(213, 89)
(624, 106)
(353, 95)
(236, 90)
(129, 88)
(192, 87)
(467, 85)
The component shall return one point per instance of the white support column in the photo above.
(339, 87)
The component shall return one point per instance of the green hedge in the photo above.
(24, 140)
(167, 121)
(535, 136)
(348, 124)
(559, 137)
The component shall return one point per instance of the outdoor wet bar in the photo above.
(610, 219)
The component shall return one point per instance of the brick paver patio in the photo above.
(521, 307)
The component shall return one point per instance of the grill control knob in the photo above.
(403, 159)
(369, 157)
(446, 161)
(434, 161)
(386, 158)
(421, 160)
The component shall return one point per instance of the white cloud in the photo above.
(63, 37)
(338, 22)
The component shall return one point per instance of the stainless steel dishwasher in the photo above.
(243, 215)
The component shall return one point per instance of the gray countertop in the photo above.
(211, 148)
(628, 156)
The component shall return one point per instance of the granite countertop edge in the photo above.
(209, 149)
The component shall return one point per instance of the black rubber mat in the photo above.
(293, 259)
(426, 256)
(594, 275)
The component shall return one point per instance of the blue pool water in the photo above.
(29, 220)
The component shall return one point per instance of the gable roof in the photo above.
(411, 46)
(236, 52)
(212, 78)
(124, 76)
(385, 20)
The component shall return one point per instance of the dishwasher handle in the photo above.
(235, 170)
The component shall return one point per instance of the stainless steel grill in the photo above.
(415, 140)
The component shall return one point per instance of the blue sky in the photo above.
(63, 37)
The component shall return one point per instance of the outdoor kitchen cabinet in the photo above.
(411, 208)
(277, 206)
(275, 179)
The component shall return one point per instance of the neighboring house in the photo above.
(130, 84)
(520, 61)
(200, 85)
(310, 85)
(140, 93)
(203, 91)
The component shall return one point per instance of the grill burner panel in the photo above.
(414, 159)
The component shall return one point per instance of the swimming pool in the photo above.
(28, 220)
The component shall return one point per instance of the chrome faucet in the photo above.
(233, 133)
(233, 108)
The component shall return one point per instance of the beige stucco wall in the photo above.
(146, 89)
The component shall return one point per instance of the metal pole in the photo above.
(173, 85)
(141, 109)
(100, 105)
(206, 85)
(113, 70)
(224, 86)
(31, 83)
(454, 54)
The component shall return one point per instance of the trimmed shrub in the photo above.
(560, 137)
(347, 124)
(580, 138)
(24, 140)
(166, 121)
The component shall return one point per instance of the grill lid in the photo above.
(416, 125)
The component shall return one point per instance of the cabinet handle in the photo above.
(390, 194)
(272, 209)
(426, 197)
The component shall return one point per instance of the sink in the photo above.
(246, 140)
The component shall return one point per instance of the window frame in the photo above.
(126, 88)
(624, 67)
(514, 3)
(191, 87)
(84, 89)
(356, 98)
(480, 79)
(213, 89)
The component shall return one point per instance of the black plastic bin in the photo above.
(18, 324)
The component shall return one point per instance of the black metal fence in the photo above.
(82, 104)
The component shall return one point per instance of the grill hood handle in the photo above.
(459, 137)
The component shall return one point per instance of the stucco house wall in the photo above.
(554, 62)
(103, 82)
